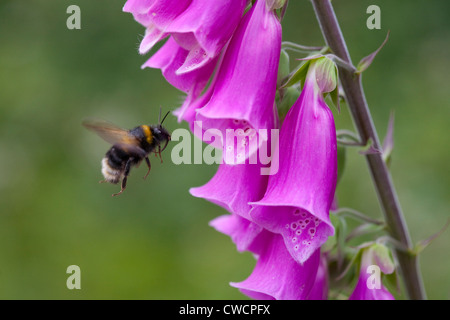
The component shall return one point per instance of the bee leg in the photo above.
(102, 181)
(148, 165)
(159, 152)
(124, 180)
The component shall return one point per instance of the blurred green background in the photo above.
(153, 241)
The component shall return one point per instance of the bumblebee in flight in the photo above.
(129, 147)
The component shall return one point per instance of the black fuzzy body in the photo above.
(121, 157)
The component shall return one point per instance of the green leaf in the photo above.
(298, 75)
(367, 61)
(425, 243)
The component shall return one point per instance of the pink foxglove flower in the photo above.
(232, 188)
(298, 198)
(169, 58)
(319, 290)
(155, 15)
(188, 110)
(276, 274)
(241, 231)
(369, 285)
(202, 27)
(244, 92)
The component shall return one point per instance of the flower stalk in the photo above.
(352, 85)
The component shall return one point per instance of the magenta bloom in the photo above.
(276, 274)
(155, 15)
(233, 187)
(244, 92)
(202, 27)
(319, 290)
(241, 231)
(298, 198)
(369, 285)
(169, 58)
(194, 101)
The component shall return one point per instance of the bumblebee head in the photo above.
(160, 133)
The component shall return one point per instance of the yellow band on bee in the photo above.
(147, 133)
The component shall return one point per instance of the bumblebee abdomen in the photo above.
(111, 174)
(116, 158)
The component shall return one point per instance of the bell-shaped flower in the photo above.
(169, 58)
(299, 196)
(374, 261)
(241, 231)
(243, 97)
(232, 188)
(194, 101)
(156, 16)
(202, 27)
(319, 290)
(276, 274)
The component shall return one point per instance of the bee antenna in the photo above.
(164, 117)
(159, 119)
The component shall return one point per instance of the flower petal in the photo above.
(278, 276)
(241, 231)
(299, 196)
(233, 187)
(152, 36)
(169, 58)
(369, 285)
(319, 290)
(244, 93)
(211, 23)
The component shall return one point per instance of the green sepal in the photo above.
(283, 67)
(382, 257)
(276, 4)
(331, 242)
(286, 99)
(365, 229)
(335, 98)
(326, 74)
(297, 76)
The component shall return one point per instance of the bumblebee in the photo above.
(129, 148)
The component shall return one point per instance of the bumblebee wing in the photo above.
(132, 150)
(110, 132)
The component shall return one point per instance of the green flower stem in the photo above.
(299, 48)
(362, 119)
